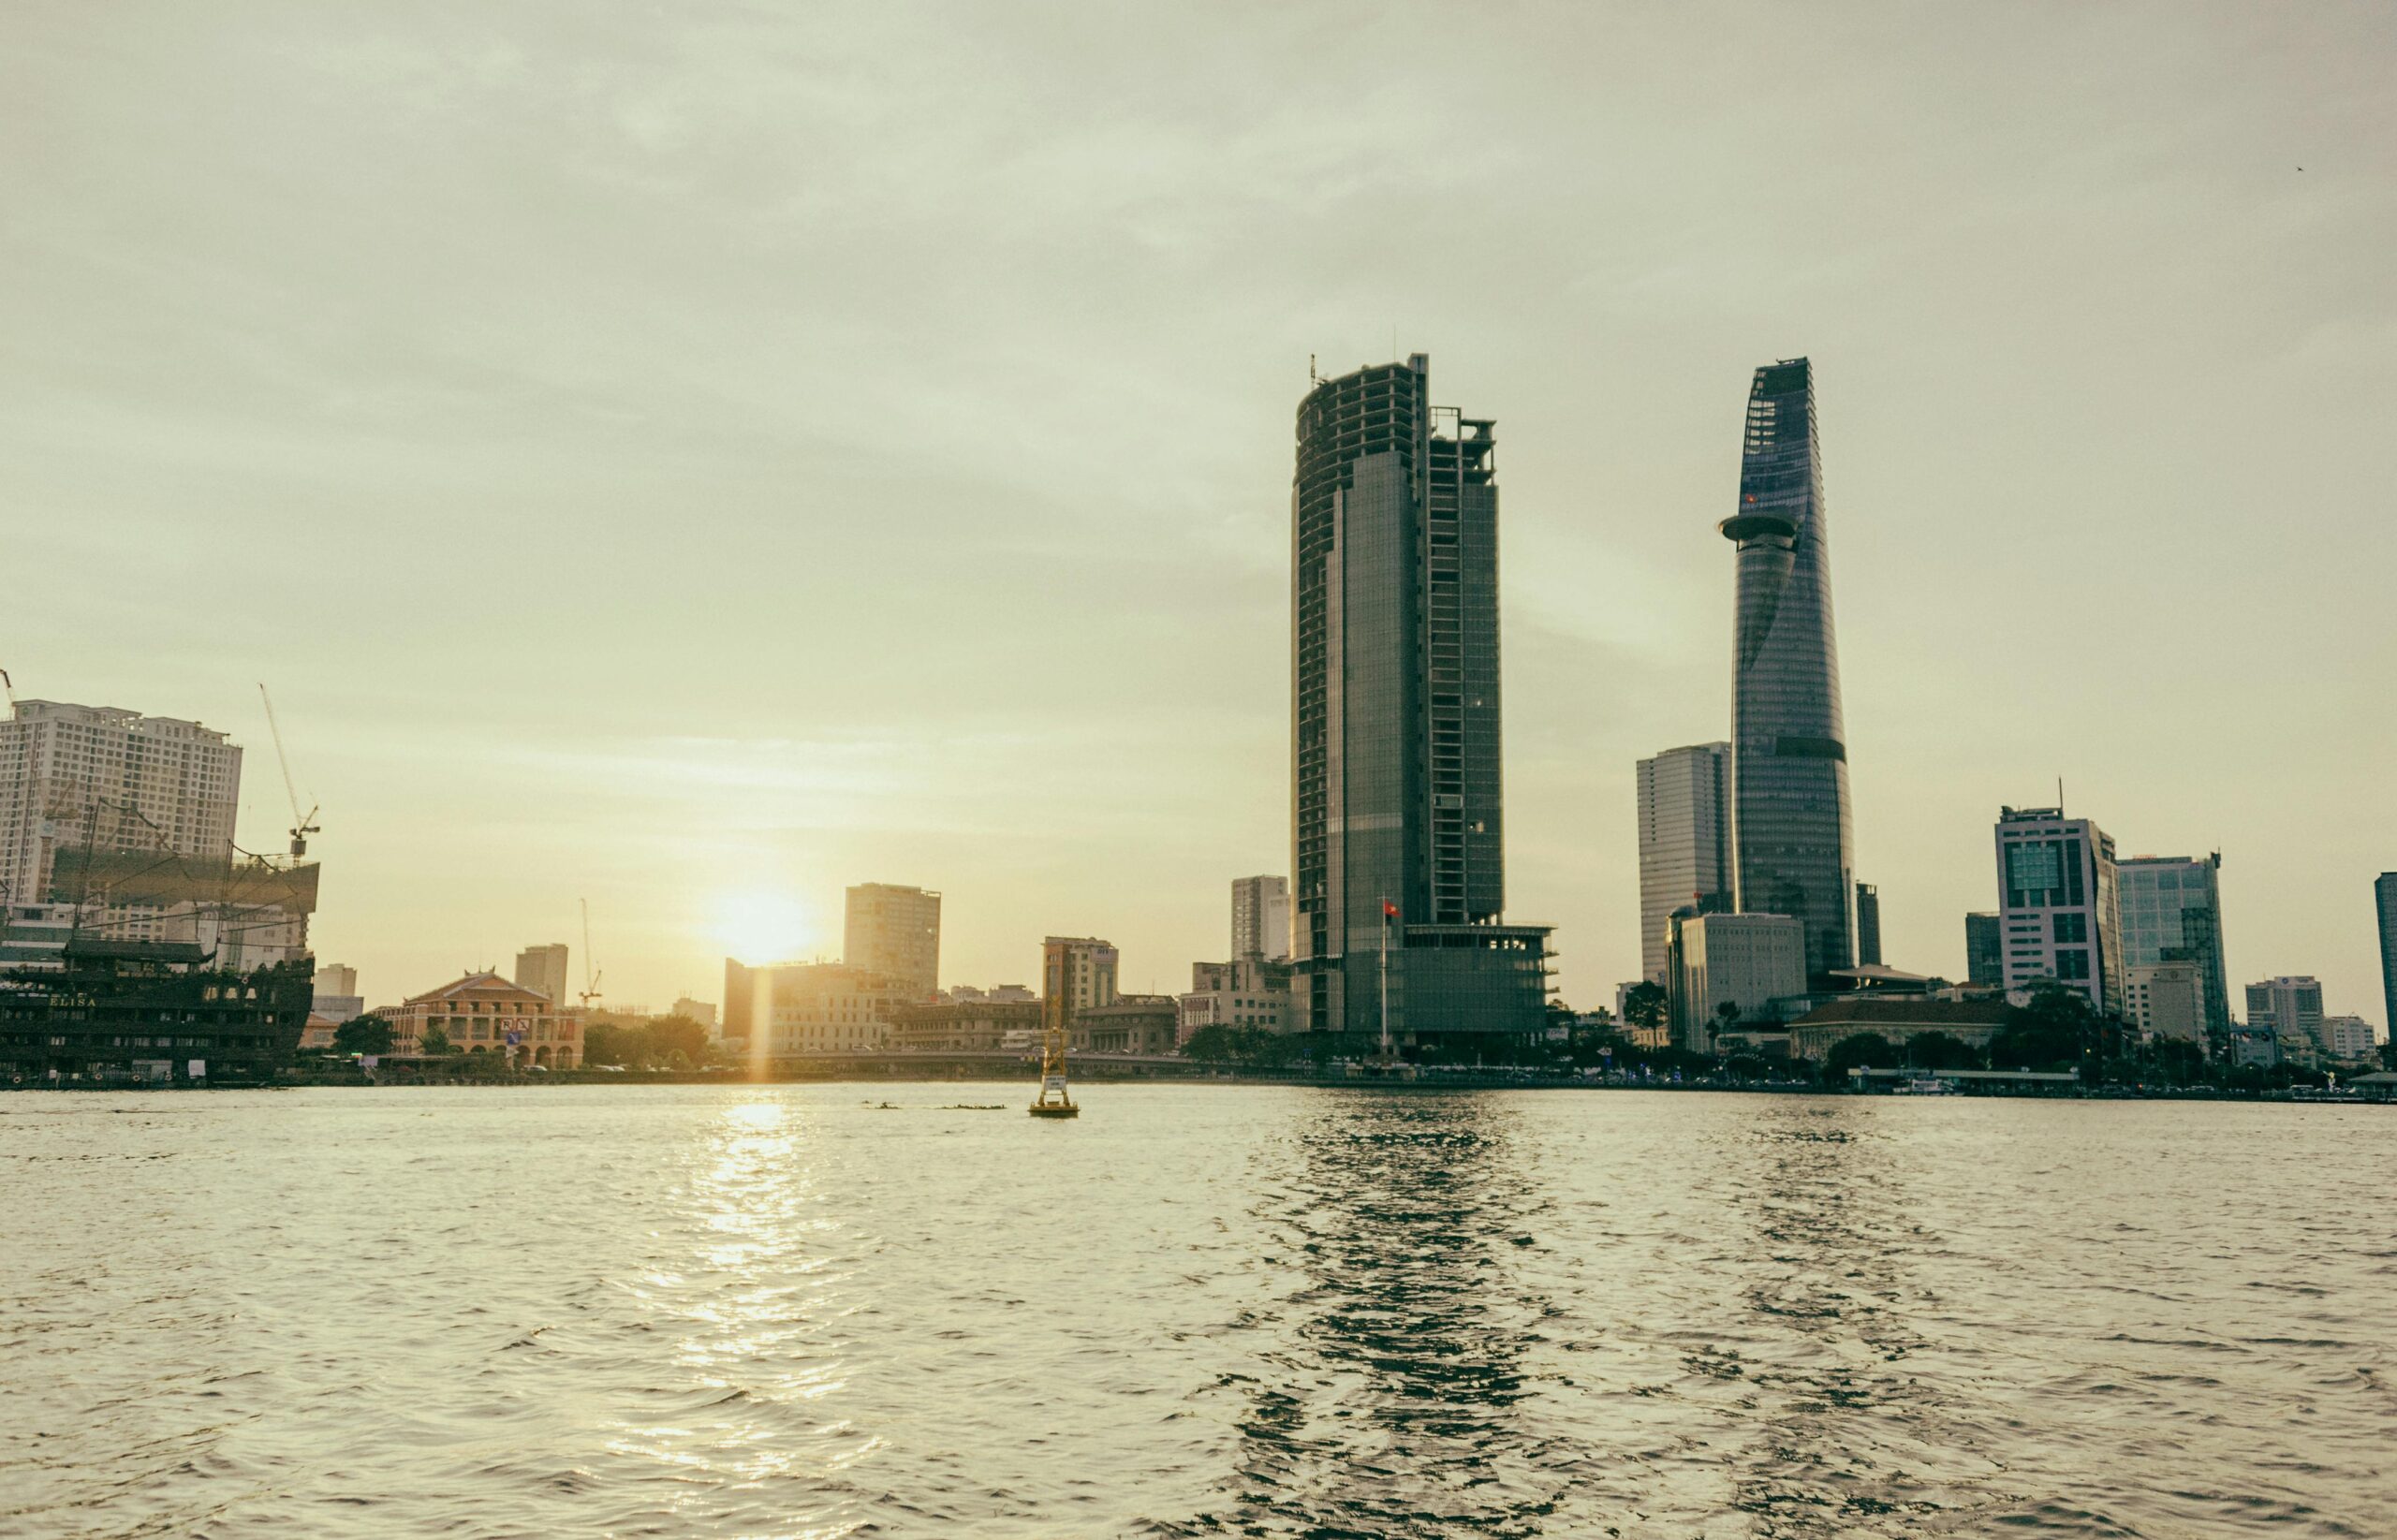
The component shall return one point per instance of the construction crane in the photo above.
(10, 686)
(302, 824)
(590, 980)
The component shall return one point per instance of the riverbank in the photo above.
(889, 1070)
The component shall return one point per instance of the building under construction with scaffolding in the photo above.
(1398, 822)
(136, 940)
(120, 826)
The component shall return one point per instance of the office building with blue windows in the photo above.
(2171, 909)
(2060, 913)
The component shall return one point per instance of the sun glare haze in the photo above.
(977, 772)
(756, 926)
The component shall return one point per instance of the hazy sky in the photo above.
(692, 456)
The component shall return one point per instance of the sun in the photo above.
(755, 928)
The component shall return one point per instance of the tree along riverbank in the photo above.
(892, 1070)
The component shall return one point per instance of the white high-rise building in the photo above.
(2291, 1006)
(1262, 918)
(2061, 917)
(334, 992)
(110, 778)
(1742, 961)
(894, 931)
(543, 969)
(1685, 843)
(121, 825)
(2351, 1039)
(2166, 999)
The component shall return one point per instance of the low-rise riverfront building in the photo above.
(483, 1010)
(1250, 993)
(1972, 1022)
(795, 1008)
(317, 1037)
(1131, 1023)
(984, 1026)
(966, 994)
(2255, 1045)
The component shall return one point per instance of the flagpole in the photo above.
(1386, 913)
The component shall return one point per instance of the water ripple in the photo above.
(776, 1312)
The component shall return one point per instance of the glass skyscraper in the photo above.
(1396, 822)
(1791, 825)
(2172, 912)
(1984, 950)
(1685, 843)
(2384, 893)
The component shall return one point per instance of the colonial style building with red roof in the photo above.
(483, 1010)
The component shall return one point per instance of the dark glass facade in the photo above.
(2172, 912)
(1395, 711)
(2384, 893)
(1984, 950)
(1792, 828)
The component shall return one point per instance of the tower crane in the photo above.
(590, 980)
(302, 824)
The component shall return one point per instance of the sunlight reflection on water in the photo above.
(777, 1312)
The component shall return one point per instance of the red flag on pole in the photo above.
(1390, 910)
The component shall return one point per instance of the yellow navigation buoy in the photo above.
(1055, 1101)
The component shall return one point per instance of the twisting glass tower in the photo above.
(1794, 834)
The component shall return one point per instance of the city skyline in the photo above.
(590, 609)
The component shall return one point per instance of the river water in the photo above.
(1197, 1311)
